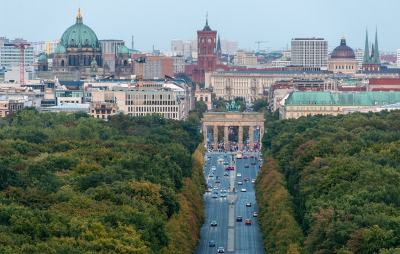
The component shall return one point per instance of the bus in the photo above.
(239, 155)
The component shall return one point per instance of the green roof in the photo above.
(42, 57)
(60, 50)
(123, 50)
(79, 35)
(342, 98)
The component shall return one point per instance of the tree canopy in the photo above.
(343, 177)
(75, 184)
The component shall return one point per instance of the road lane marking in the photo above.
(231, 240)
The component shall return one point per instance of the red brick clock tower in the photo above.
(206, 50)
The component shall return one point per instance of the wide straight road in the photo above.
(233, 236)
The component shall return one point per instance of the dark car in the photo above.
(247, 179)
(226, 174)
(221, 250)
(253, 163)
(239, 218)
(217, 181)
(246, 166)
(213, 223)
(212, 244)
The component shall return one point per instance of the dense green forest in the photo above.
(331, 184)
(70, 183)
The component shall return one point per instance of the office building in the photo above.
(245, 57)
(155, 67)
(398, 58)
(10, 54)
(178, 64)
(310, 52)
(109, 49)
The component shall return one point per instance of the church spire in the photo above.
(375, 57)
(219, 44)
(366, 50)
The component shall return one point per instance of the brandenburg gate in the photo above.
(226, 119)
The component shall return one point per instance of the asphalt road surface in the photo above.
(234, 237)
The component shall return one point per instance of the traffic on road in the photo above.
(230, 206)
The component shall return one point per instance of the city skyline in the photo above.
(247, 23)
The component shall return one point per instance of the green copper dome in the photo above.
(79, 35)
(60, 50)
(123, 50)
(42, 57)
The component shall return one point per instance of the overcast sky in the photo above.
(156, 22)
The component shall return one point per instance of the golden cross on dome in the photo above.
(79, 12)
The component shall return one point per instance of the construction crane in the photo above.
(22, 46)
(258, 42)
(140, 60)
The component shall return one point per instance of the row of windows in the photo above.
(311, 114)
(313, 109)
(165, 115)
(342, 67)
(140, 102)
(146, 96)
(153, 109)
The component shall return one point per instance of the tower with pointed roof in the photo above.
(219, 50)
(371, 62)
(206, 53)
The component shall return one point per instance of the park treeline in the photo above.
(70, 183)
(331, 184)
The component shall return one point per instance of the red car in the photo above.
(251, 155)
(245, 157)
(247, 179)
(247, 222)
(230, 168)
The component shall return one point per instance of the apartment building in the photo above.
(310, 52)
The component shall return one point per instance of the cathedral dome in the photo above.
(123, 50)
(79, 35)
(60, 49)
(343, 51)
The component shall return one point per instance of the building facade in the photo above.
(252, 85)
(10, 54)
(142, 102)
(155, 67)
(310, 52)
(245, 57)
(299, 104)
(398, 58)
(178, 64)
(102, 110)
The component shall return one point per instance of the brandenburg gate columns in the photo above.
(261, 134)
(226, 137)
(215, 137)
(251, 137)
(240, 138)
(227, 119)
(205, 134)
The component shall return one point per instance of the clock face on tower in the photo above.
(209, 40)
